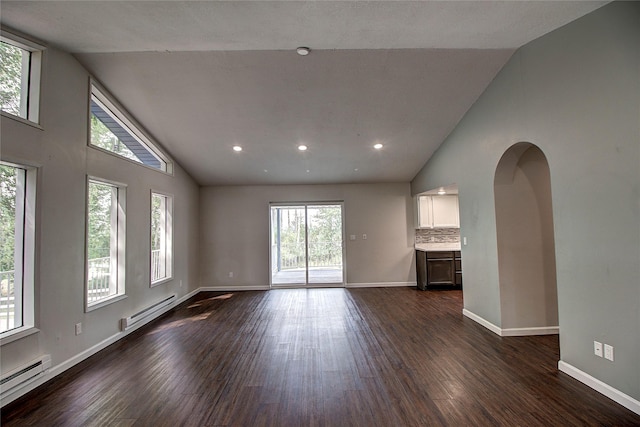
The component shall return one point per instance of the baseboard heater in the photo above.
(16, 378)
(129, 322)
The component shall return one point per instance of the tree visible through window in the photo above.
(19, 78)
(105, 241)
(161, 213)
(112, 130)
(11, 79)
(16, 245)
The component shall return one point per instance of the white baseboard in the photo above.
(511, 332)
(601, 387)
(380, 285)
(523, 332)
(235, 288)
(60, 368)
(490, 326)
(319, 285)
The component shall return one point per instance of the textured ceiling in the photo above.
(203, 76)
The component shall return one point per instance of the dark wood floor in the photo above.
(333, 357)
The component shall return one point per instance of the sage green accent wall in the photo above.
(575, 93)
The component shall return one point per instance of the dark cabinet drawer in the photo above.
(439, 255)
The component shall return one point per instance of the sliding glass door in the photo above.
(307, 244)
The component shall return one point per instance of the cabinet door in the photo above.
(445, 211)
(440, 272)
(425, 212)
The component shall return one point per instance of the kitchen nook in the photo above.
(437, 239)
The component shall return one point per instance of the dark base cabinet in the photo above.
(439, 270)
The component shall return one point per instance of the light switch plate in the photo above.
(608, 352)
(597, 348)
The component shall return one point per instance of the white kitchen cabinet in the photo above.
(437, 212)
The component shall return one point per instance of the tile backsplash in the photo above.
(438, 235)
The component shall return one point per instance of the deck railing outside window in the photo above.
(321, 254)
(157, 267)
(7, 300)
(98, 278)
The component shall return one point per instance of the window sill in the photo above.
(161, 282)
(105, 302)
(18, 333)
(21, 120)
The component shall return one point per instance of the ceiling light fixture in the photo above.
(442, 192)
(237, 148)
(303, 51)
(378, 146)
(302, 147)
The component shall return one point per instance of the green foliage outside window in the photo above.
(10, 78)
(102, 137)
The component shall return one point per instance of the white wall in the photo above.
(60, 151)
(575, 93)
(234, 230)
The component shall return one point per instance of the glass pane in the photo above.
(101, 239)
(325, 243)
(102, 137)
(11, 79)
(288, 245)
(158, 237)
(11, 220)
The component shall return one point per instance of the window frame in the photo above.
(28, 250)
(121, 233)
(168, 237)
(30, 93)
(111, 106)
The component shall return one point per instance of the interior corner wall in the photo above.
(60, 152)
(235, 232)
(575, 93)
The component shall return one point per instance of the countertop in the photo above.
(434, 247)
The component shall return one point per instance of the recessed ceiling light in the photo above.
(237, 148)
(308, 171)
(303, 51)
(302, 147)
(377, 146)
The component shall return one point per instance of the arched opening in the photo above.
(526, 247)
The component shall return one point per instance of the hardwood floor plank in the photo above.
(319, 357)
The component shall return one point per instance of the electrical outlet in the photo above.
(231, 274)
(608, 352)
(78, 328)
(597, 348)
(352, 237)
(364, 237)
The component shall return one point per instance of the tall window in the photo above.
(161, 237)
(19, 77)
(17, 203)
(111, 130)
(105, 241)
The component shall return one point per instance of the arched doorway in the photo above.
(526, 247)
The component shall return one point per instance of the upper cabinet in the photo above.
(437, 211)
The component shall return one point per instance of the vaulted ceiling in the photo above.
(204, 76)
